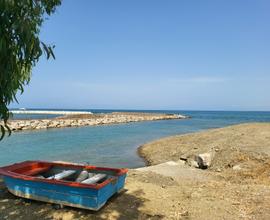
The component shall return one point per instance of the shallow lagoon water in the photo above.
(112, 145)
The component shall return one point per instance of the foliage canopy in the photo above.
(20, 47)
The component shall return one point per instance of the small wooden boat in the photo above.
(67, 184)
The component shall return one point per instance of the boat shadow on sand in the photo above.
(120, 206)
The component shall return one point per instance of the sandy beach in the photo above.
(235, 186)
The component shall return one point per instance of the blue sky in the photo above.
(155, 54)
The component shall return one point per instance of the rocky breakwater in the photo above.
(88, 120)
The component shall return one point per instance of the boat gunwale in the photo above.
(7, 171)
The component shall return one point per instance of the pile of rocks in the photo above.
(202, 161)
(112, 118)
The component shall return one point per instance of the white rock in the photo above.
(237, 167)
(204, 160)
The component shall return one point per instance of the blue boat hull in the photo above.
(86, 198)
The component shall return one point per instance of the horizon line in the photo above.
(135, 109)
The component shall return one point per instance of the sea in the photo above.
(110, 145)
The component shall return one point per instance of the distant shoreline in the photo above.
(48, 112)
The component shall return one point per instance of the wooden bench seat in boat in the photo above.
(35, 171)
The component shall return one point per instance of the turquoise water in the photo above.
(112, 145)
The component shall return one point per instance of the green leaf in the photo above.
(8, 129)
(46, 50)
(51, 52)
(2, 132)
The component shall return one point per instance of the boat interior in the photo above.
(63, 172)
